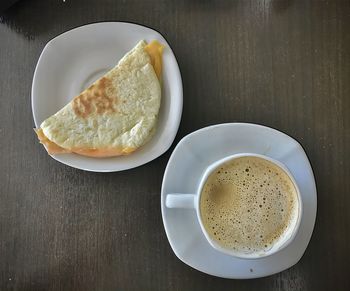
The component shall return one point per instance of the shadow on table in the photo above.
(30, 18)
(281, 5)
(277, 5)
(206, 5)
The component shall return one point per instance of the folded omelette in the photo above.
(116, 115)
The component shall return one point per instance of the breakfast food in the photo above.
(248, 204)
(116, 115)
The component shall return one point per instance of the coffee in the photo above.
(248, 204)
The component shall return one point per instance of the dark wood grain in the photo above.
(284, 64)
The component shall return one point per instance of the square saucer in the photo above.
(192, 156)
(72, 61)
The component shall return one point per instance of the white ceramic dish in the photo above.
(73, 60)
(192, 156)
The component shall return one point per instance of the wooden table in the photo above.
(284, 64)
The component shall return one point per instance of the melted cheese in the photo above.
(51, 147)
(103, 153)
(155, 50)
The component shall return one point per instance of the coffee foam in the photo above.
(248, 204)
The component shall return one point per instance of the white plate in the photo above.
(73, 60)
(192, 156)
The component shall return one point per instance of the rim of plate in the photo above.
(179, 109)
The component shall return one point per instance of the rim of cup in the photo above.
(283, 242)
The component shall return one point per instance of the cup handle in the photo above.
(179, 200)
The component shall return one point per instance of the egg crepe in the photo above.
(116, 115)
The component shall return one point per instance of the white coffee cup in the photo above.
(192, 201)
